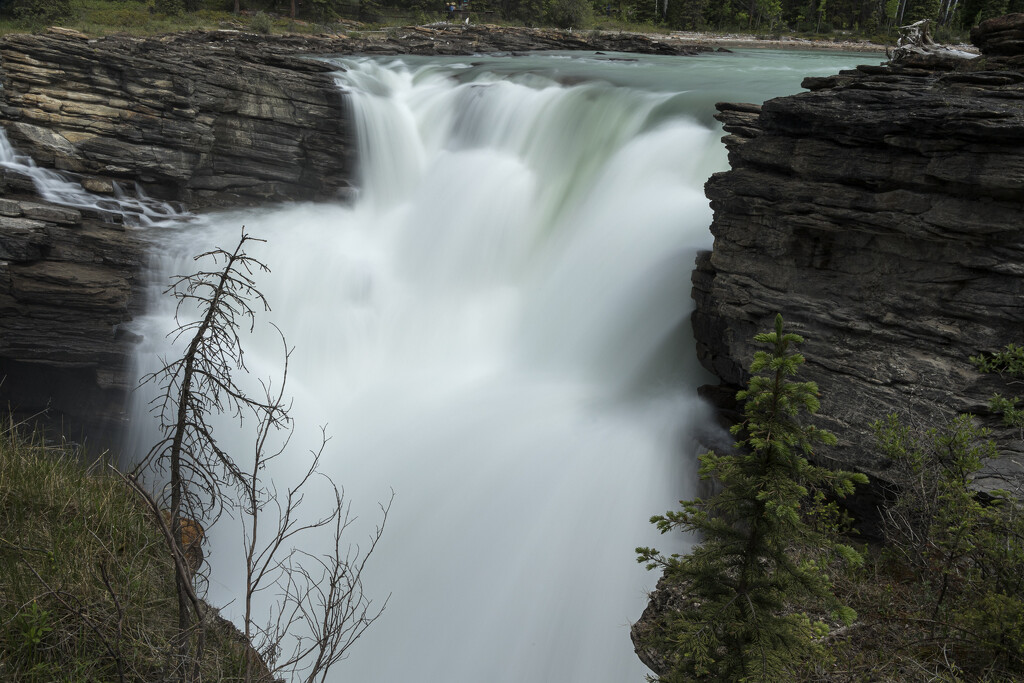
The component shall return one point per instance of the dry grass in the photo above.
(86, 589)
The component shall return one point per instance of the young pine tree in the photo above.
(757, 552)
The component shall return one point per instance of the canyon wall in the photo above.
(200, 122)
(882, 213)
(205, 122)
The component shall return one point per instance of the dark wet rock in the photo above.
(67, 284)
(1000, 36)
(880, 214)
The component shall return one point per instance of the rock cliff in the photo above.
(199, 121)
(66, 284)
(880, 213)
(205, 122)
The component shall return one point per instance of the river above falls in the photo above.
(496, 329)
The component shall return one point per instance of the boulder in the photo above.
(1000, 36)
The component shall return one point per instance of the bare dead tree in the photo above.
(322, 610)
(331, 601)
(194, 387)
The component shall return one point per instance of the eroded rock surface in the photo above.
(881, 214)
(67, 283)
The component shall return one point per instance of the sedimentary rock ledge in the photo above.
(198, 121)
(880, 213)
(67, 282)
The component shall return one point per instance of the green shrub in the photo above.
(123, 16)
(576, 14)
(965, 551)
(261, 23)
(40, 12)
(172, 8)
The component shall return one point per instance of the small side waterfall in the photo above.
(132, 208)
(496, 329)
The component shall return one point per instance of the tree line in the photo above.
(871, 18)
(864, 17)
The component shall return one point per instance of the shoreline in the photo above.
(735, 40)
(483, 37)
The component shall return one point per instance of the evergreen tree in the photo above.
(916, 10)
(686, 14)
(758, 552)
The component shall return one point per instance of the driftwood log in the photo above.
(916, 40)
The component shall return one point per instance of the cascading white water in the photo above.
(496, 329)
(54, 187)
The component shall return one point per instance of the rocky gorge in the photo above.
(202, 119)
(879, 212)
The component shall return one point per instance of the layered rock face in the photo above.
(67, 282)
(882, 213)
(195, 120)
(205, 122)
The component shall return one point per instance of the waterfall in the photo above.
(496, 330)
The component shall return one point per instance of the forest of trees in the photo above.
(870, 18)
(867, 17)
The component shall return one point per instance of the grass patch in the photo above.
(140, 18)
(86, 587)
(102, 17)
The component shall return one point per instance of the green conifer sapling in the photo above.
(757, 551)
